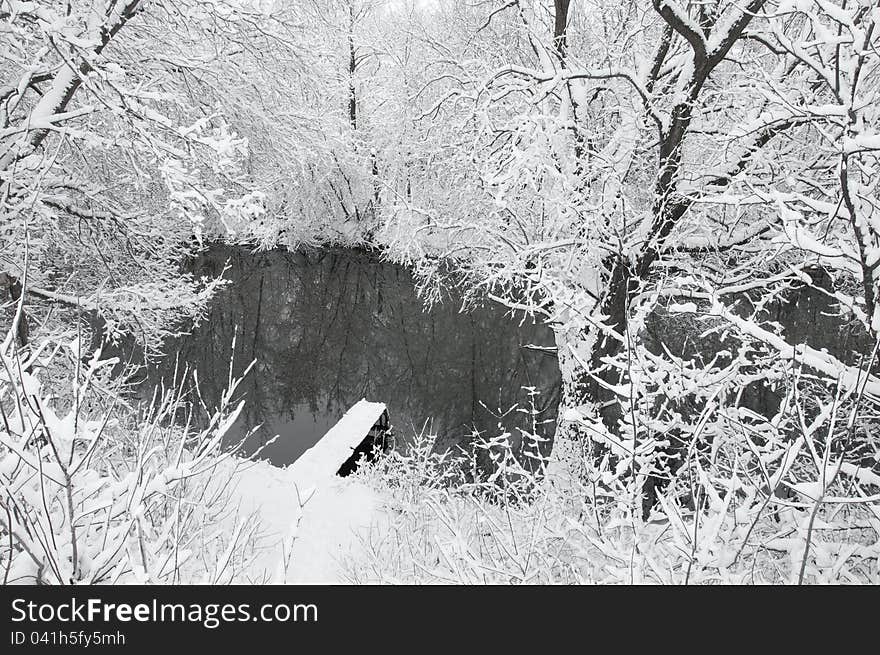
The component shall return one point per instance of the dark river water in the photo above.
(331, 327)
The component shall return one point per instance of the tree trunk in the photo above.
(352, 69)
(560, 24)
(14, 290)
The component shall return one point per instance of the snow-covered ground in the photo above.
(324, 531)
(310, 518)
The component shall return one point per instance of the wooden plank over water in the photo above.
(322, 461)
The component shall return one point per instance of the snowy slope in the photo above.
(304, 545)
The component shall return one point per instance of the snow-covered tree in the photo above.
(107, 171)
(603, 160)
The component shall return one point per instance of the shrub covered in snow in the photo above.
(754, 500)
(93, 490)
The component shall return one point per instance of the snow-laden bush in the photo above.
(93, 490)
(784, 500)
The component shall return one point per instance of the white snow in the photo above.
(327, 528)
(307, 545)
(683, 308)
(866, 141)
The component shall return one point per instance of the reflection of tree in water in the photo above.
(332, 327)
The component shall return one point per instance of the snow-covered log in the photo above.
(326, 458)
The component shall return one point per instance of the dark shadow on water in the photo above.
(331, 327)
